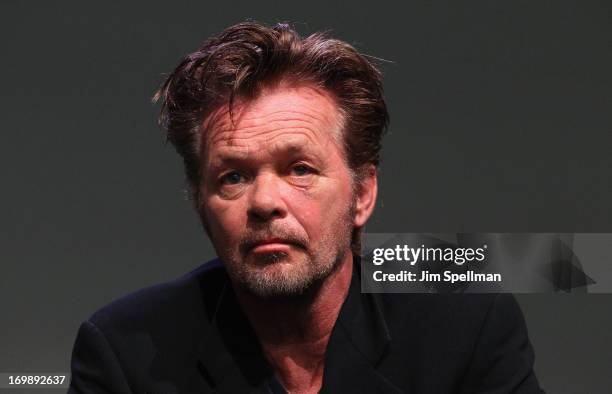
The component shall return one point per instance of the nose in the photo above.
(265, 199)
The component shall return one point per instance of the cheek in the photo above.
(308, 213)
(226, 219)
(318, 212)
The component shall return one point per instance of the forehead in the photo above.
(295, 118)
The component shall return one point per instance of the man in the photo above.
(280, 136)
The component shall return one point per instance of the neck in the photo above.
(294, 331)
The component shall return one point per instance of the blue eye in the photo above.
(231, 178)
(301, 170)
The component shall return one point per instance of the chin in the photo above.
(278, 278)
(283, 269)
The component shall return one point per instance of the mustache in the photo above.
(251, 238)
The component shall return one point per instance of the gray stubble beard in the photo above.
(303, 274)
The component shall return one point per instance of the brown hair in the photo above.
(246, 57)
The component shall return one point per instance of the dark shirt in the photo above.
(190, 335)
(275, 387)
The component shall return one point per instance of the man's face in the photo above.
(277, 198)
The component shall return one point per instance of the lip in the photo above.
(271, 245)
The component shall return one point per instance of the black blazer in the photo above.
(191, 336)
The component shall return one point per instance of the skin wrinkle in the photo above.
(225, 136)
(311, 158)
(247, 148)
(235, 141)
(222, 134)
(229, 154)
(219, 119)
(309, 130)
(245, 117)
(234, 153)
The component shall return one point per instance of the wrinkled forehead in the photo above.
(292, 116)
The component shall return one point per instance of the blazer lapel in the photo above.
(358, 344)
(229, 355)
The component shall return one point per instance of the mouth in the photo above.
(272, 245)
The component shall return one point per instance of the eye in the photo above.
(231, 178)
(301, 170)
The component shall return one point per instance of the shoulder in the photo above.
(182, 302)
(147, 339)
(479, 340)
(450, 325)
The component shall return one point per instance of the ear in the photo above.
(367, 190)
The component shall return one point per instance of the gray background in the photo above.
(500, 122)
